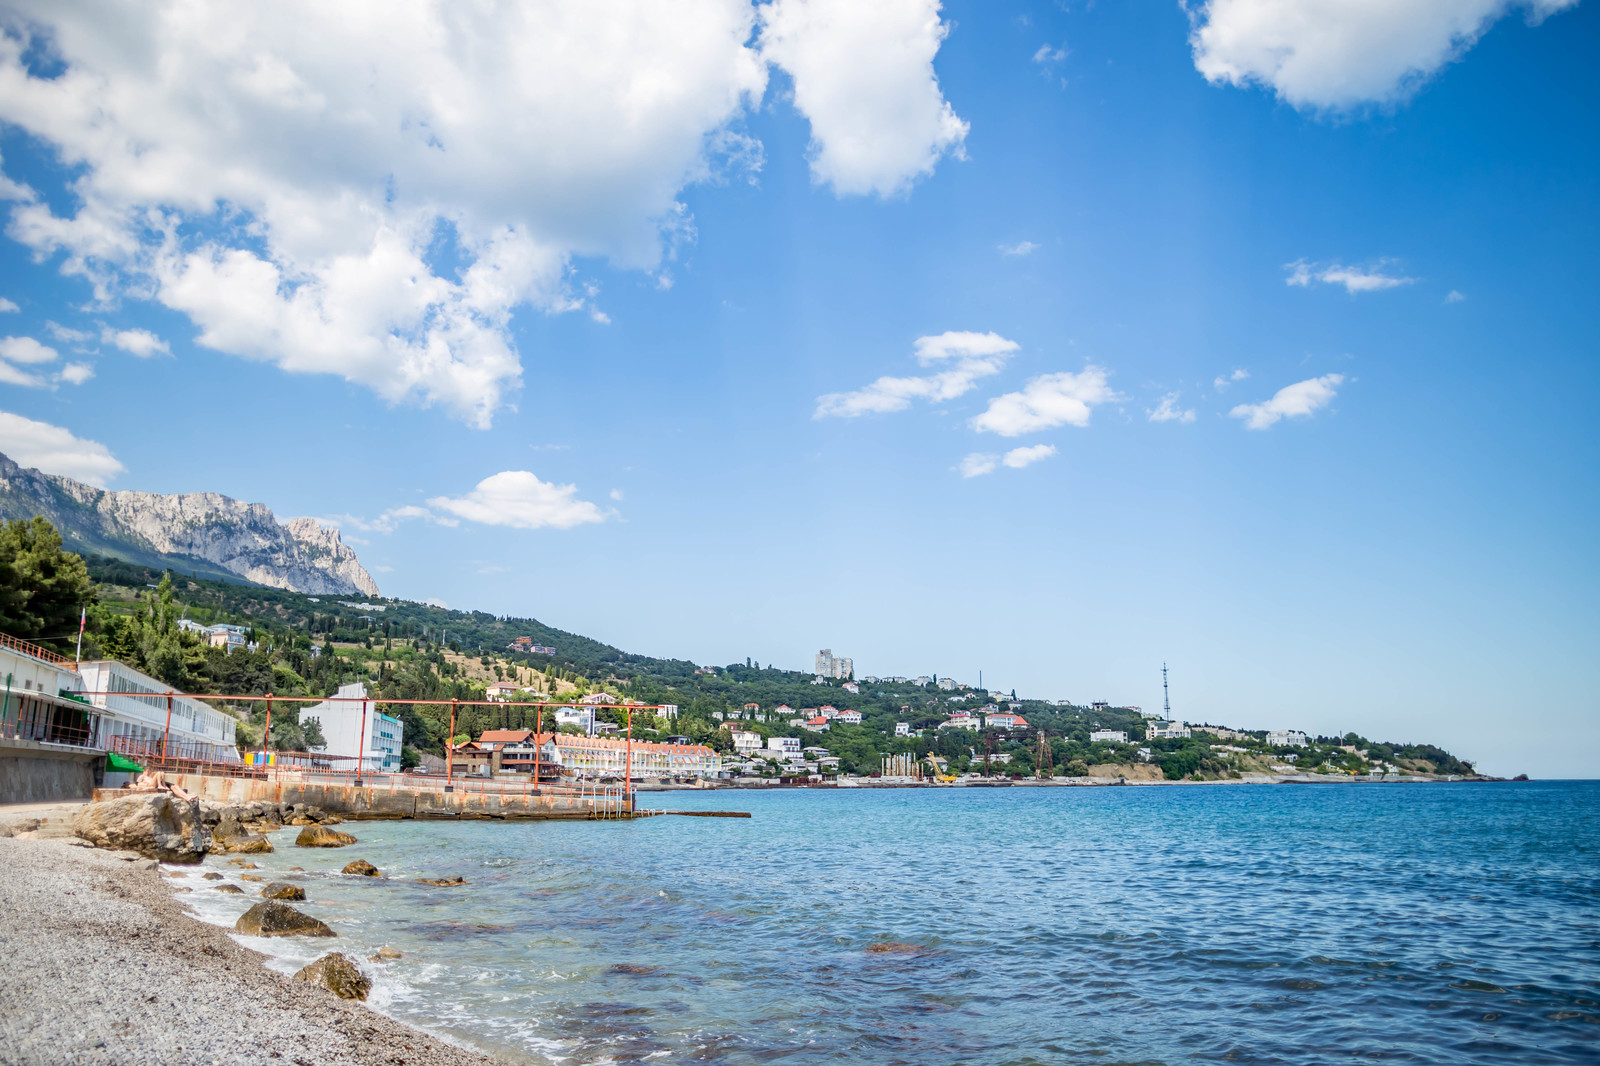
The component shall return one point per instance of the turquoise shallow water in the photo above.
(1420, 923)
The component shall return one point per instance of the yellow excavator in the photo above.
(938, 774)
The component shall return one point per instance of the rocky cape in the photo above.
(192, 532)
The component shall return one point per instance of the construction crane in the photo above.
(1041, 758)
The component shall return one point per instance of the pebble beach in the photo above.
(101, 965)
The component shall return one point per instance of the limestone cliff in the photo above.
(198, 532)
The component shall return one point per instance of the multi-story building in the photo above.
(947, 684)
(1286, 738)
(852, 687)
(788, 745)
(1115, 736)
(40, 704)
(848, 717)
(902, 729)
(1007, 720)
(1165, 731)
(745, 743)
(579, 717)
(819, 724)
(134, 705)
(353, 728)
(962, 720)
(834, 666)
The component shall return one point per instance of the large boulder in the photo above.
(157, 825)
(248, 844)
(339, 975)
(280, 890)
(279, 919)
(319, 836)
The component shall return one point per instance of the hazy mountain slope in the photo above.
(193, 532)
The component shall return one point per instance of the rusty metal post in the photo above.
(450, 751)
(361, 744)
(266, 734)
(167, 732)
(538, 732)
(627, 781)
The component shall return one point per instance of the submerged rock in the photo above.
(279, 919)
(250, 877)
(443, 882)
(232, 890)
(317, 836)
(362, 867)
(157, 825)
(386, 954)
(279, 890)
(250, 843)
(211, 875)
(243, 864)
(338, 974)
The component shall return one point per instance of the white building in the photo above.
(784, 745)
(746, 743)
(1286, 738)
(902, 729)
(38, 704)
(962, 720)
(581, 717)
(852, 687)
(834, 666)
(669, 711)
(1165, 731)
(134, 705)
(1116, 736)
(354, 728)
(848, 717)
(947, 684)
(1007, 720)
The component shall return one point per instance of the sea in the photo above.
(1421, 923)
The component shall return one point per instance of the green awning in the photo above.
(121, 764)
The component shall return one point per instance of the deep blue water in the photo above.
(1418, 923)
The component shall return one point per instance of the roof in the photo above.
(504, 736)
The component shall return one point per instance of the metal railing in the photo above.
(47, 720)
(29, 648)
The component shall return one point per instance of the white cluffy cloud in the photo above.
(371, 190)
(56, 451)
(1300, 400)
(980, 463)
(8, 305)
(140, 342)
(1020, 248)
(1169, 411)
(518, 499)
(1354, 279)
(1050, 400)
(1221, 382)
(970, 356)
(863, 76)
(1342, 54)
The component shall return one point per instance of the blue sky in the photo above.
(591, 343)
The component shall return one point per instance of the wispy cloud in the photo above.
(1048, 54)
(19, 352)
(1020, 248)
(1455, 297)
(979, 463)
(1354, 279)
(1051, 400)
(1300, 400)
(1222, 382)
(66, 334)
(973, 355)
(1168, 411)
(7, 305)
(517, 498)
(139, 342)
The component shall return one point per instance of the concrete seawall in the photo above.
(31, 772)
(353, 802)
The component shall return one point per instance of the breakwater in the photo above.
(356, 802)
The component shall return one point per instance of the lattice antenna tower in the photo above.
(1166, 703)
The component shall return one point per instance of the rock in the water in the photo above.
(211, 875)
(250, 843)
(232, 890)
(157, 825)
(386, 954)
(251, 877)
(243, 864)
(362, 867)
(443, 882)
(339, 975)
(279, 890)
(176, 873)
(279, 919)
(317, 836)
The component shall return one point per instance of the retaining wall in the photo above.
(350, 801)
(31, 772)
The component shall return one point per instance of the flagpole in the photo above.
(83, 619)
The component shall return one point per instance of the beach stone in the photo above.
(232, 890)
(228, 826)
(279, 919)
(176, 873)
(250, 844)
(338, 974)
(243, 864)
(442, 882)
(386, 954)
(251, 877)
(362, 867)
(212, 876)
(317, 836)
(279, 890)
(157, 825)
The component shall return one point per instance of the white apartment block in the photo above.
(947, 684)
(746, 743)
(355, 729)
(135, 705)
(785, 745)
(1116, 736)
(1286, 738)
(834, 666)
(1165, 731)
(902, 729)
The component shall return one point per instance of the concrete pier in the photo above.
(362, 802)
(36, 772)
